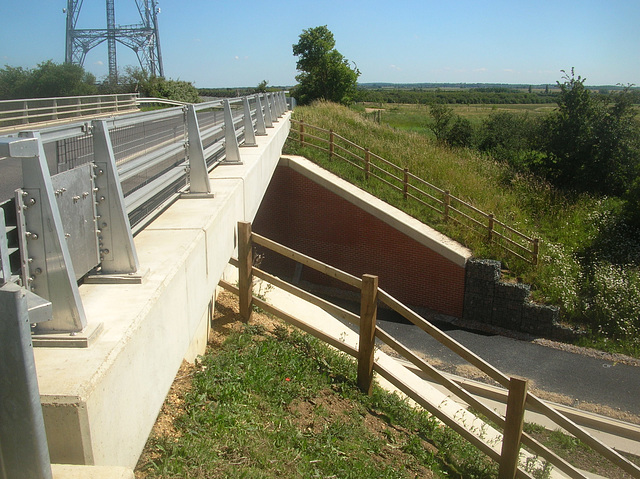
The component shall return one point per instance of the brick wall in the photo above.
(315, 221)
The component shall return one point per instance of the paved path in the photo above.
(581, 378)
(578, 377)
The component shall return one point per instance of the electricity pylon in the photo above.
(142, 38)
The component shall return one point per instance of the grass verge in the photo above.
(269, 401)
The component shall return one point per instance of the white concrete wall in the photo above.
(101, 402)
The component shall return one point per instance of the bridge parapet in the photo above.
(87, 188)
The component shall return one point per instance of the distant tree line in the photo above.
(472, 96)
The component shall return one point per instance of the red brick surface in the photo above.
(311, 219)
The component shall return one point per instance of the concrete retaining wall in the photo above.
(323, 216)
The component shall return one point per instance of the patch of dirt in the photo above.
(315, 414)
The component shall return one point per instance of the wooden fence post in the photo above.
(447, 204)
(405, 184)
(330, 144)
(368, 312)
(301, 132)
(367, 161)
(536, 250)
(491, 226)
(245, 270)
(513, 428)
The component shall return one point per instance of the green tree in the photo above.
(592, 143)
(324, 73)
(442, 116)
(49, 79)
(262, 86)
(139, 81)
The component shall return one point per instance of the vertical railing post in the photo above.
(249, 132)
(268, 118)
(331, 144)
(367, 163)
(491, 221)
(25, 112)
(405, 184)
(447, 204)
(199, 182)
(261, 126)
(245, 270)
(232, 152)
(536, 251)
(513, 428)
(23, 443)
(301, 132)
(55, 109)
(118, 250)
(368, 313)
(41, 226)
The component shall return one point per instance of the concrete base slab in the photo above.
(66, 471)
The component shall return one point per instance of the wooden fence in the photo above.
(439, 201)
(518, 399)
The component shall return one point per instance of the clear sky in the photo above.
(228, 43)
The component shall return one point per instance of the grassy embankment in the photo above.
(589, 260)
(267, 401)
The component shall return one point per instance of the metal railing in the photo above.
(36, 110)
(116, 174)
(413, 188)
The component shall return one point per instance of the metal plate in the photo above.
(74, 194)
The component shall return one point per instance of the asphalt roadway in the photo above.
(575, 377)
(579, 377)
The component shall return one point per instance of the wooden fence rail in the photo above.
(414, 188)
(371, 294)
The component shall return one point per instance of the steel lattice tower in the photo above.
(142, 38)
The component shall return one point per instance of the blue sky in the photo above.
(230, 43)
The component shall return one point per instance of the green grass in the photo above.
(281, 404)
(589, 257)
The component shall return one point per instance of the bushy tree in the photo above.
(136, 80)
(442, 116)
(48, 79)
(324, 73)
(592, 142)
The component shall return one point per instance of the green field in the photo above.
(411, 117)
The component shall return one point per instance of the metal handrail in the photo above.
(14, 113)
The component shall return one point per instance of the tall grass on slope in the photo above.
(588, 258)
(466, 174)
